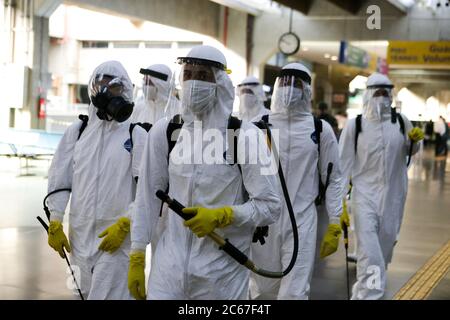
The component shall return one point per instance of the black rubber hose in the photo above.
(287, 200)
(410, 153)
(47, 213)
(229, 248)
(44, 202)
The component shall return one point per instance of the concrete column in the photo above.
(40, 79)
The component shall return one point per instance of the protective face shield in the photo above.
(292, 91)
(198, 85)
(108, 96)
(149, 90)
(378, 97)
(155, 82)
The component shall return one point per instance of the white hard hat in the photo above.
(298, 70)
(206, 55)
(250, 80)
(378, 80)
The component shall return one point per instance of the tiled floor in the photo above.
(30, 270)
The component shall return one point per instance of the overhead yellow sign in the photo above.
(432, 53)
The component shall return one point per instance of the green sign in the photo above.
(353, 56)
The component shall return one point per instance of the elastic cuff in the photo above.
(55, 216)
(334, 220)
(137, 251)
(241, 214)
(138, 246)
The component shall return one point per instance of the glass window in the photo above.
(188, 44)
(126, 44)
(95, 44)
(158, 45)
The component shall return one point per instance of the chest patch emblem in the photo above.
(127, 145)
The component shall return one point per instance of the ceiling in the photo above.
(352, 7)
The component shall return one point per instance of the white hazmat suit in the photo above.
(378, 174)
(185, 266)
(291, 117)
(100, 168)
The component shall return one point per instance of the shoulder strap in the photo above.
(402, 123)
(174, 125)
(261, 124)
(393, 115)
(358, 130)
(84, 118)
(234, 124)
(145, 125)
(318, 130)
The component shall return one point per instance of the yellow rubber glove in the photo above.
(136, 275)
(115, 235)
(57, 239)
(330, 241)
(416, 134)
(345, 219)
(206, 220)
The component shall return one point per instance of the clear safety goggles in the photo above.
(104, 83)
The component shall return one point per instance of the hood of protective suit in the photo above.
(251, 105)
(291, 100)
(161, 103)
(117, 70)
(217, 115)
(377, 108)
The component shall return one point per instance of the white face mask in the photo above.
(248, 102)
(198, 96)
(150, 92)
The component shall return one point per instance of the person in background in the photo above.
(341, 118)
(158, 99)
(324, 115)
(251, 99)
(429, 129)
(305, 157)
(374, 148)
(441, 130)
